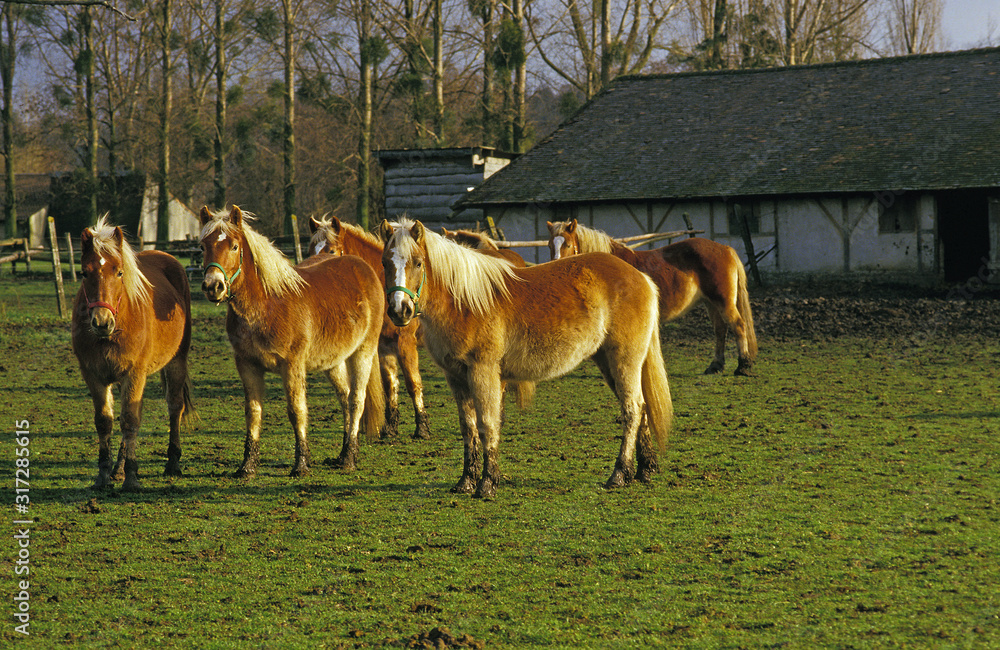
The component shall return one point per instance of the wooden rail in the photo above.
(634, 240)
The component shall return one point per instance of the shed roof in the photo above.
(916, 122)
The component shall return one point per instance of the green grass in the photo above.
(845, 497)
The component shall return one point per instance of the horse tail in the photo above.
(656, 390)
(525, 394)
(373, 417)
(190, 414)
(743, 307)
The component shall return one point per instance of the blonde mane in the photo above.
(324, 235)
(276, 273)
(137, 285)
(590, 240)
(473, 279)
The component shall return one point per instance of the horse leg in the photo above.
(353, 377)
(630, 397)
(390, 382)
(253, 393)
(744, 365)
(487, 392)
(294, 380)
(648, 459)
(721, 330)
(342, 386)
(175, 378)
(132, 389)
(104, 419)
(472, 466)
(410, 362)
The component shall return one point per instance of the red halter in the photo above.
(100, 303)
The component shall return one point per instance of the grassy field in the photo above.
(844, 497)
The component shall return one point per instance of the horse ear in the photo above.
(87, 240)
(335, 225)
(550, 226)
(445, 232)
(385, 231)
(119, 236)
(571, 226)
(417, 232)
(236, 216)
(205, 215)
(313, 224)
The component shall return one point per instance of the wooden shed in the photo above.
(424, 183)
(883, 167)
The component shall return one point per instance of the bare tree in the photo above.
(587, 45)
(913, 26)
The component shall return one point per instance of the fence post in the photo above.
(295, 236)
(57, 268)
(72, 262)
(27, 256)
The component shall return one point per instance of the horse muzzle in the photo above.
(214, 289)
(102, 322)
(401, 309)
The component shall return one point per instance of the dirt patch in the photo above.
(830, 310)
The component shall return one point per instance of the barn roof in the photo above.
(916, 122)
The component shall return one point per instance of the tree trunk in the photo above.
(90, 110)
(288, 148)
(438, 73)
(365, 137)
(219, 182)
(163, 200)
(488, 109)
(520, 83)
(8, 57)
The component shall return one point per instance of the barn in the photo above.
(424, 183)
(883, 167)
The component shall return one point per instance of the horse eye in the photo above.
(120, 273)
(234, 247)
(83, 274)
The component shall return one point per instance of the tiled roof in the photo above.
(917, 122)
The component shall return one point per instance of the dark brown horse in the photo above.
(488, 322)
(688, 272)
(322, 315)
(132, 317)
(397, 346)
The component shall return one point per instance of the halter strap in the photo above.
(229, 279)
(100, 303)
(414, 296)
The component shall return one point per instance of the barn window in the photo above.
(897, 212)
(751, 210)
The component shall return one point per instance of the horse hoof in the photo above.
(715, 368)
(131, 485)
(744, 371)
(421, 434)
(244, 472)
(646, 475)
(487, 490)
(172, 470)
(464, 486)
(344, 464)
(299, 471)
(617, 480)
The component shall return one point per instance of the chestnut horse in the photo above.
(483, 243)
(397, 346)
(132, 317)
(486, 322)
(688, 272)
(324, 314)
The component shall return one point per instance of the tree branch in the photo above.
(75, 3)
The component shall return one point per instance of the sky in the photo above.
(966, 23)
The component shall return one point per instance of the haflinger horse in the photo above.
(483, 243)
(397, 346)
(131, 318)
(691, 271)
(322, 315)
(486, 322)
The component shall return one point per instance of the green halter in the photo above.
(229, 279)
(414, 296)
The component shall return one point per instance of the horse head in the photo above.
(103, 269)
(562, 239)
(403, 260)
(222, 248)
(325, 236)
